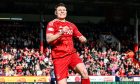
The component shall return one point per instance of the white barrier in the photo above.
(136, 78)
(92, 79)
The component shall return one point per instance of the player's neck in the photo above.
(62, 20)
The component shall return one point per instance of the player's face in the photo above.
(61, 12)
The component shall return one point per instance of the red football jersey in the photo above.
(64, 44)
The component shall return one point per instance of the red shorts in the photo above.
(62, 65)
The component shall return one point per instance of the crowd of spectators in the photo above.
(24, 62)
(20, 54)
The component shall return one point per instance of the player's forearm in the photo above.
(51, 38)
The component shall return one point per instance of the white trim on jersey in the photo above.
(50, 29)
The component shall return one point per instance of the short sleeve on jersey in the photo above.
(76, 32)
(50, 28)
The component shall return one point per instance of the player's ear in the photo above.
(55, 12)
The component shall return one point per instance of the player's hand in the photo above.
(82, 39)
(64, 29)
